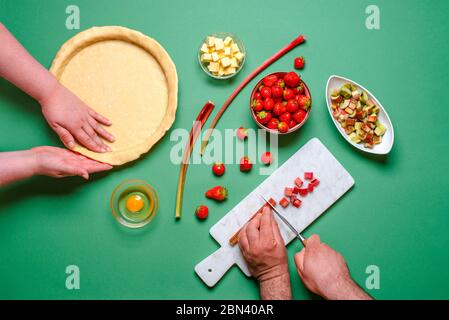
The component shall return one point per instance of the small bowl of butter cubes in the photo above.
(221, 55)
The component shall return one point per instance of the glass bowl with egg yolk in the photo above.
(134, 203)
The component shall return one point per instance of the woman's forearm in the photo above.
(21, 69)
(16, 166)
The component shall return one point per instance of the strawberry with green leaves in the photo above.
(218, 193)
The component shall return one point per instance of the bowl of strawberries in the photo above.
(281, 102)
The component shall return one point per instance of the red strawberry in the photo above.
(277, 91)
(257, 95)
(289, 93)
(263, 117)
(202, 212)
(304, 102)
(268, 104)
(257, 105)
(292, 105)
(245, 164)
(299, 63)
(273, 124)
(292, 79)
(285, 117)
(283, 127)
(266, 158)
(299, 115)
(218, 193)
(292, 123)
(300, 88)
(218, 169)
(279, 108)
(270, 80)
(265, 92)
(242, 133)
(280, 83)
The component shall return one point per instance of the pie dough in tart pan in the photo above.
(126, 76)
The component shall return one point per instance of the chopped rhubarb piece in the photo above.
(298, 182)
(308, 175)
(310, 187)
(295, 190)
(288, 192)
(293, 198)
(297, 203)
(272, 202)
(284, 202)
(315, 182)
(303, 192)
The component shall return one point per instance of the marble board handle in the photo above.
(213, 268)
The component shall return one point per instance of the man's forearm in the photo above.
(347, 290)
(21, 69)
(277, 288)
(16, 166)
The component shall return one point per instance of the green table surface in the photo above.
(396, 216)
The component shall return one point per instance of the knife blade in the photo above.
(287, 223)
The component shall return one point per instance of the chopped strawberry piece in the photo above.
(272, 202)
(308, 175)
(315, 182)
(303, 192)
(288, 192)
(310, 187)
(284, 202)
(297, 203)
(295, 190)
(298, 182)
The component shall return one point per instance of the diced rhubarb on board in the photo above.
(315, 182)
(310, 187)
(303, 192)
(284, 202)
(297, 203)
(288, 192)
(298, 182)
(273, 202)
(295, 190)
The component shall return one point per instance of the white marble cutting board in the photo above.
(313, 156)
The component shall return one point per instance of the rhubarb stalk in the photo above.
(242, 85)
(194, 132)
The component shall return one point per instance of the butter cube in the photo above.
(234, 62)
(206, 57)
(227, 51)
(219, 44)
(228, 41)
(226, 62)
(215, 57)
(204, 48)
(229, 70)
(235, 48)
(239, 56)
(210, 41)
(214, 67)
(221, 71)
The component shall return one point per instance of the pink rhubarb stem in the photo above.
(196, 129)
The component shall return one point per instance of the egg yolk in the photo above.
(134, 203)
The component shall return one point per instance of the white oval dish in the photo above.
(335, 82)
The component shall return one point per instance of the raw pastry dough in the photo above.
(127, 77)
